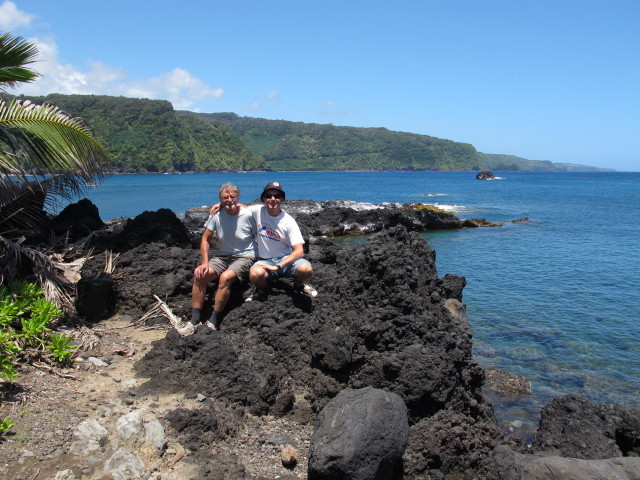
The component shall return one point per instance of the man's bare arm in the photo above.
(216, 208)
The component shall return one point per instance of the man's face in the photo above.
(272, 198)
(229, 200)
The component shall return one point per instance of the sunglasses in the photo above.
(274, 195)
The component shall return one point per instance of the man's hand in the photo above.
(267, 267)
(201, 270)
(216, 208)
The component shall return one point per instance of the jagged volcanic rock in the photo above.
(383, 318)
(571, 426)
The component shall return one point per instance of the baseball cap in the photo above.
(273, 186)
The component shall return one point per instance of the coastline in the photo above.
(383, 352)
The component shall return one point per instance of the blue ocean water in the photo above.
(555, 299)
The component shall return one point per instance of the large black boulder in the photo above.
(77, 220)
(359, 435)
(159, 226)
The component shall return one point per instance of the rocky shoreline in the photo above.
(383, 318)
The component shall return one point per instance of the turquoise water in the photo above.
(555, 299)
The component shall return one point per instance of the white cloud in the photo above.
(12, 18)
(273, 95)
(331, 110)
(181, 88)
(178, 86)
(254, 107)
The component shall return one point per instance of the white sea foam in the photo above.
(449, 208)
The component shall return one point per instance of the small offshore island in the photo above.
(384, 326)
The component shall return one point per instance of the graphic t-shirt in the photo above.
(236, 233)
(276, 235)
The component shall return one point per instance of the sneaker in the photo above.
(211, 325)
(307, 289)
(187, 329)
(257, 295)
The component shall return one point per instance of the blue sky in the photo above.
(545, 80)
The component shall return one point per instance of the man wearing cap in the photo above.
(235, 228)
(280, 245)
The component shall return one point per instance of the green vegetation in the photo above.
(5, 425)
(511, 163)
(26, 319)
(43, 153)
(144, 135)
(25, 328)
(306, 146)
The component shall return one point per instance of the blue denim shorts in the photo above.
(288, 271)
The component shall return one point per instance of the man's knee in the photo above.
(257, 273)
(227, 278)
(304, 270)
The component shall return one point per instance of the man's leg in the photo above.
(225, 282)
(259, 277)
(303, 272)
(198, 294)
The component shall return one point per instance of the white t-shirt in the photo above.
(236, 233)
(276, 235)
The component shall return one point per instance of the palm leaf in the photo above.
(44, 139)
(15, 53)
(44, 153)
(22, 202)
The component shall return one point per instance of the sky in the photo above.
(554, 80)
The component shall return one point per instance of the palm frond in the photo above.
(22, 203)
(48, 272)
(15, 53)
(10, 256)
(48, 140)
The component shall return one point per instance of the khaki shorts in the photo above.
(237, 264)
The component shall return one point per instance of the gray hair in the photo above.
(228, 187)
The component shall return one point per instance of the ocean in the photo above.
(555, 299)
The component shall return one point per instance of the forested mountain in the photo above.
(309, 146)
(494, 161)
(144, 135)
(150, 136)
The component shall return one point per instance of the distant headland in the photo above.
(149, 136)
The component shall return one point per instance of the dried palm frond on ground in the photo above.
(110, 262)
(87, 338)
(160, 309)
(50, 278)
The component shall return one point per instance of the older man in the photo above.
(235, 229)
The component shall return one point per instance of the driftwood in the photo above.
(160, 309)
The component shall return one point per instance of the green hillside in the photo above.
(513, 163)
(307, 146)
(150, 136)
(144, 135)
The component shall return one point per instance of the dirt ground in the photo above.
(47, 405)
